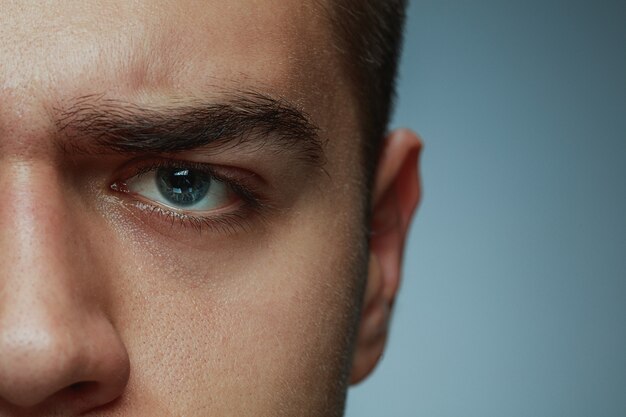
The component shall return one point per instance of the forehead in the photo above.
(139, 47)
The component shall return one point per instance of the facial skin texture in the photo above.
(109, 308)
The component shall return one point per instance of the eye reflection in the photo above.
(181, 188)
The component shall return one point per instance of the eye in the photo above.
(218, 198)
(181, 188)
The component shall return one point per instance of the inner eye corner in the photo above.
(118, 186)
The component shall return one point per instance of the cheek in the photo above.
(267, 317)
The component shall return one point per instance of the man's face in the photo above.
(216, 277)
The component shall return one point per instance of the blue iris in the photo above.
(183, 187)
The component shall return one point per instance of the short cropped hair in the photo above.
(369, 34)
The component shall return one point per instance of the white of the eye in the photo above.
(145, 185)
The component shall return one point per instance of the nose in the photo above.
(59, 352)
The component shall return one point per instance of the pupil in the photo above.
(183, 187)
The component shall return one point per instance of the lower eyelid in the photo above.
(164, 219)
(234, 205)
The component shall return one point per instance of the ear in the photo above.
(396, 194)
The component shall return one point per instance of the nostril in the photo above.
(82, 387)
(46, 365)
(79, 386)
(80, 390)
(78, 396)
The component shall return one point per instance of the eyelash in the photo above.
(252, 203)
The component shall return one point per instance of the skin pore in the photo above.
(113, 303)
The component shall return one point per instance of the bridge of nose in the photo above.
(42, 273)
(54, 331)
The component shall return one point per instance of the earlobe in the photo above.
(373, 325)
(395, 197)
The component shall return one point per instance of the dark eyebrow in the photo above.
(94, 123)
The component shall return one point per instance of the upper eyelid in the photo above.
(148, 163)
(138, 167)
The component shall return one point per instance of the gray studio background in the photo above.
(514, 293)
